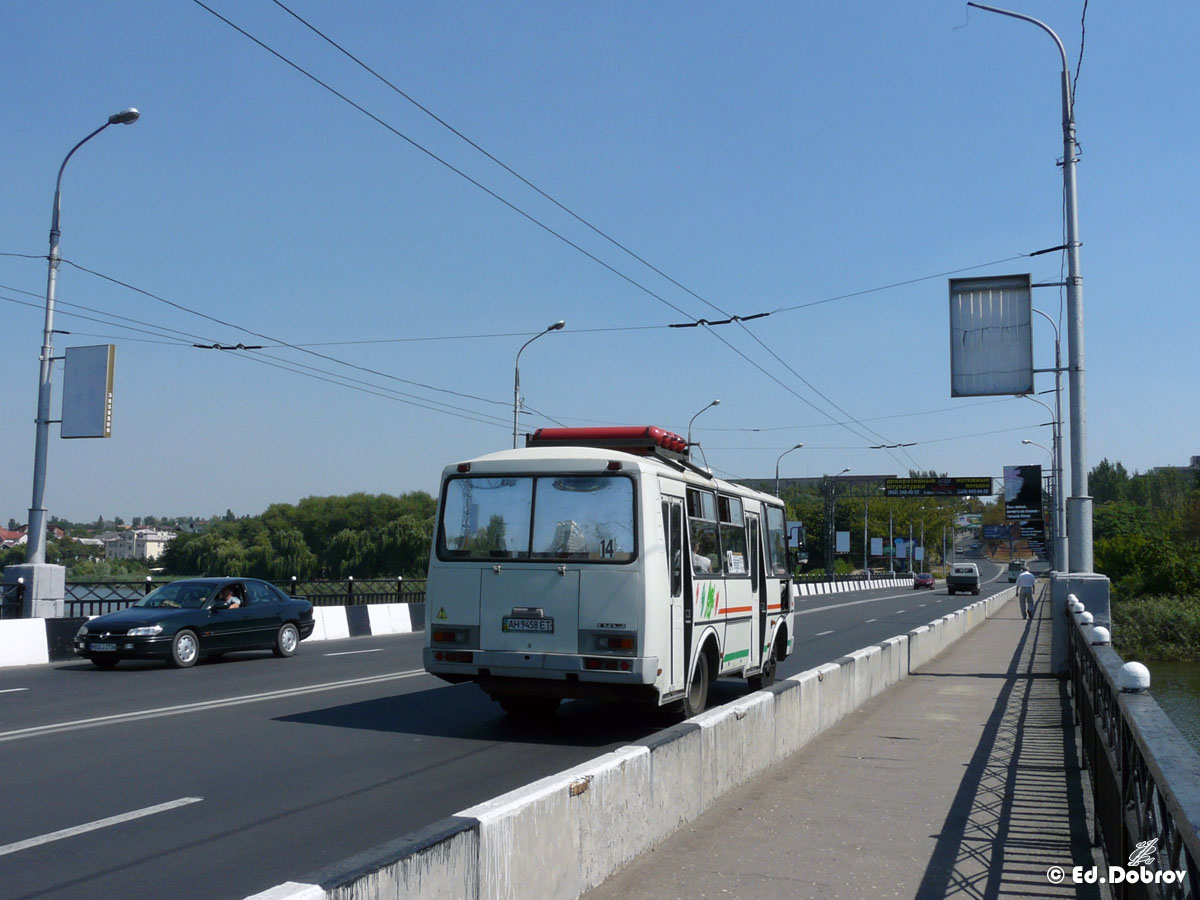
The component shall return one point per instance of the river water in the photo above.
(1176, 687)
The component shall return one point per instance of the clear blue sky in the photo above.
(763, 155)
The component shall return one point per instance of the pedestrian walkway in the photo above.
(962, 781)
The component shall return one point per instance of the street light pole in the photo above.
(1061, 536)
(781, 456)
(1079, 512)
(557, 326)
(35, 551)
(830, 520)
(693, 419)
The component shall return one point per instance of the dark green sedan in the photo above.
(184, 620)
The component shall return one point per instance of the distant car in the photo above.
(184, 620)
(923, 580)
(963, 577)
(1015, 568)
(975, 545)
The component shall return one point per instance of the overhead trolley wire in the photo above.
(280, 341)
(520, 211)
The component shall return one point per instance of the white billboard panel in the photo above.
(88, 392)
(843, 542)
(991, 336)
(877, 546)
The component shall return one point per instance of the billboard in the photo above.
(843, 542)
(877, 546)
(87, 392)
(938, 487)
(1022, 493)
(991, 336)
(996, 532)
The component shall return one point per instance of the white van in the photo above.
(963, 577)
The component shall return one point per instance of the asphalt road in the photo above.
(243, 772)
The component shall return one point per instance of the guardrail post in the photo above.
(350, 591)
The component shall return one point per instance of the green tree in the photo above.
(1108, 482)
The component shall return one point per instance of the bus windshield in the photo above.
(548, 517)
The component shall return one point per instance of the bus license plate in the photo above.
(514, 623)
(102, 648)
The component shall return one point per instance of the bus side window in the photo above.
(675, 542)
(702, 528)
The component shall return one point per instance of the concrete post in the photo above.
(45, 589)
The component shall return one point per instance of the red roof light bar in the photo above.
(640, 440)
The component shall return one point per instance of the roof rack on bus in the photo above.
(640, 440)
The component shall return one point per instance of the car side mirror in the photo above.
(220, 604)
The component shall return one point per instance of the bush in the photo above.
(1158, 628)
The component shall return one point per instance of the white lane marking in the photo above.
(352, 652)
(96, 825)
(822, 633)
(869, 621)
(12, 690)
(202, 705)
(900, 611)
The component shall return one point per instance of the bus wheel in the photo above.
(766, 677)
(529, 708)
(697, 693)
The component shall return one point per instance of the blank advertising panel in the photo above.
(991, 336)
(88, 392)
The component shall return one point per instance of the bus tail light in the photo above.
(616, 643)
(607, 665)
(448, 636)
(458, 656)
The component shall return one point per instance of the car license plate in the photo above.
(102, 648)
(543, 625)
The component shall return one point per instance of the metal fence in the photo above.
(1145, 776)
(95, 598)
(11, 596)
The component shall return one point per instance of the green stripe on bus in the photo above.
(736, 655)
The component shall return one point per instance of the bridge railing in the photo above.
(1145, 776)
(11, 597)
(95, 598)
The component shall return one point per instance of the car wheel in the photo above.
(766, 678)
(286, 640)
(529, 709)
(105, 662)
(185, 649)
(696, 697)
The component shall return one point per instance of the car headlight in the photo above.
(144, 631)
(81, 633)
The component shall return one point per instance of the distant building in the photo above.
(1193, 466)
(141, 543)
(12, 538)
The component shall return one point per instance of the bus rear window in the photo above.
(559, 517)
(486, 518)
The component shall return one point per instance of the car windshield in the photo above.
(177, 595)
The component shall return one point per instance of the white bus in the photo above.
(601, 563)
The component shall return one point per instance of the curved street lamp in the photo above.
(35, 552)
(781, 456)
(693, 419)
(1080, 511)
(557, 326)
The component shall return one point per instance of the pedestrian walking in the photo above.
(1025, 582)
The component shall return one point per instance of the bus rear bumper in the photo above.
(548, 674)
